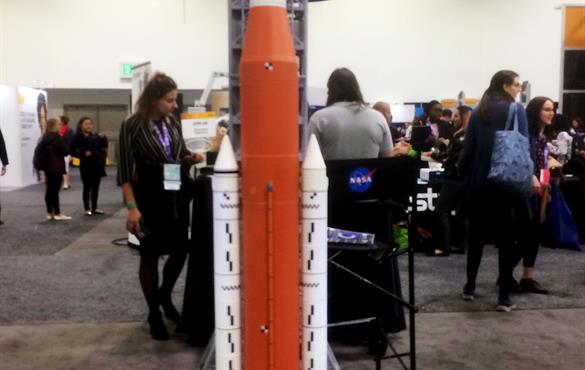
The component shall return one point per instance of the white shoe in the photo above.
(49, 216)
(61, 217)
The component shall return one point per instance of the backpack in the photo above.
(41, 156)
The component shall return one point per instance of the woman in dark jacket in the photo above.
(540, 112)
(453, 188)
(54, 169)
(90, 148)
(494, 213)
(153, 172)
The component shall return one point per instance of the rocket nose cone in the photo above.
(226, 159)
(313, 156)
(280, 3)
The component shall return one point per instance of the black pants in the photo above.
(532, 235)
(496, 217)
(91, 188)
(54, 181)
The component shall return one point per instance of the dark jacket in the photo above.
(475, 160)
(96, 145)
(57, 150)
(450, 156)
(3, 155)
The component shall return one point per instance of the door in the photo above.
(106, 120)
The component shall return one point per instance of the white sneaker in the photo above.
(61, 217)
(49, 216)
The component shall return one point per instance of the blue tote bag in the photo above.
(511, 165)
(560, 230)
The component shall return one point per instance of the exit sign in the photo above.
(126, 70)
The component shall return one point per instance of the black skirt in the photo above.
(165, 213)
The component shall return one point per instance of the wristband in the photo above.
(131, 206)
(412, 153)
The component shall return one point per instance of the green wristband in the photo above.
(131, 206)
(412, 153)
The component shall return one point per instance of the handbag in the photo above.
(560, 230)
(511, 165)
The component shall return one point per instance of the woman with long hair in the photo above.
(540, 112)
(453, 188)
(153, 172)
(55, 151)
(347, 128)
(90, 148)
(494, 213)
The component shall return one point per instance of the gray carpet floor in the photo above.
(59, 278)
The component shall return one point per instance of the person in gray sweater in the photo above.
(347, 128)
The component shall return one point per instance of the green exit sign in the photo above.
(126, 70)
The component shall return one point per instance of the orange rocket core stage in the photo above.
(270, 192)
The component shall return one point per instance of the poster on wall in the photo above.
(32, 115)
(23, 117)
(140, 74)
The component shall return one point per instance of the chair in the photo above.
(366, 195)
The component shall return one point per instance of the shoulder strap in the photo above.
(512, 118)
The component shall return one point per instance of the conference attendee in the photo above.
(67, 134)
(55, 150)
(576, 164)
(447, 116)
(453, 189)
(540, 112)
(386, 111)
(90, 148)
(440, 130)
(494, 213)
(153, 173)
(347, 128)
(4, 160)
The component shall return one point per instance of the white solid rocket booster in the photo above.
(226, 257)
(314, 185)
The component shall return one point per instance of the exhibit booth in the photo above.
(23, 118)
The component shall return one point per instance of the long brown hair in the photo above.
(343, 86)
(464, 116)
(533, 115)
(157, 87)
(496, 92)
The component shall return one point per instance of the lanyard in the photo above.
(164, 138)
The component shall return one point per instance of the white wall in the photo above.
(79, 43)
(417, 50)
(401, 50)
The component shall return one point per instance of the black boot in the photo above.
(158, 330)
(170, 311)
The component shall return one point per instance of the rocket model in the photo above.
(271, 325)
(313, 281)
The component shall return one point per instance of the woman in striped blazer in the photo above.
(150, 147)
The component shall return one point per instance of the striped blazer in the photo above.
(138, 141)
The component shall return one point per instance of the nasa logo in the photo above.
(360, 179)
